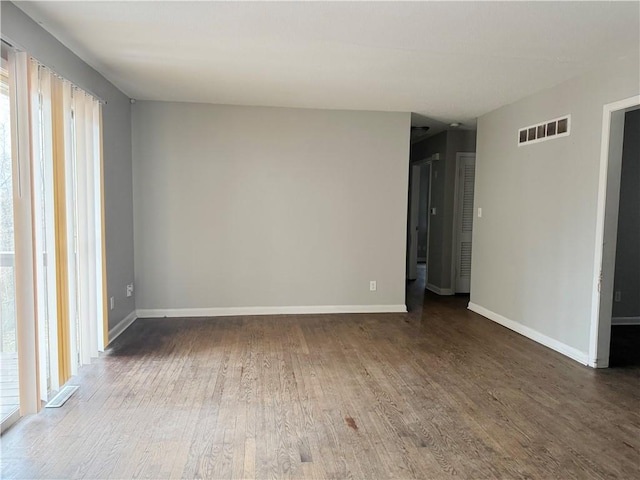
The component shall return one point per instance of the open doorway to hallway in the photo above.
(625, 313)
(441, 194)
(418, 225)
(418, 231)
(616, 282)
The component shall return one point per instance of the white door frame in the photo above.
(454, 236)
(603, 266)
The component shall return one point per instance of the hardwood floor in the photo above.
(435, 393)
(9, 400)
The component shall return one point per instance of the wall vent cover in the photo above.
(63, 395)
(556, 128)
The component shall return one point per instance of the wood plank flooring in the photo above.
(440, 392)
(9, 400)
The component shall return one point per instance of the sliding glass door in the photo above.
(52, 275)
(9, 383)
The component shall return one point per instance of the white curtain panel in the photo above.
(86, 128)
(26, 331)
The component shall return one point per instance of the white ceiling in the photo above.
(444, 61)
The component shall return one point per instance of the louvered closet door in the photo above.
(464, 218)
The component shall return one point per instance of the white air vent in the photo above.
(63, 395)
(556, 128)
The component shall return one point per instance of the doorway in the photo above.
(612, 207)
(420, 175)
(625, 321)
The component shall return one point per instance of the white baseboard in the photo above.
(625, 321)
(122, 326)
(239, 311)
(440, 291)
(9, 421)
(534, 335)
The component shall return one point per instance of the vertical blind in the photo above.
(66, 149)
(60, 299)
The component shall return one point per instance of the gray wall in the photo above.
(423, 214)
(28, 36)
(627, 273)
(447, 144)
(268, 207)
(533, 248)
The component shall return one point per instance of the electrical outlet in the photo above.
(112, 303)
(479, 212)
(434, 211)
(618, 296)
(373, 286)
(129, 289)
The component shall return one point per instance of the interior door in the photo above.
(465, 180)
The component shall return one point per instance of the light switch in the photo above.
(433, 210)
(479, 212)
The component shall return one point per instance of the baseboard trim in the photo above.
(242, 311)
(571, 352)
(440, 291)
(625, 321)
(116, 331)
(9, 421)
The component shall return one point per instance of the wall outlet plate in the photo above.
(129, 289)
(373, 286)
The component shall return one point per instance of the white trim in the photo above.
(122, 326)
(607, 110)
(625, 321)
(292, 310)
(534, 335)
(8, 422)
(440, 291)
